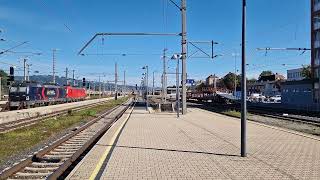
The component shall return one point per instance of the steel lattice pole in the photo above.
(184, 57)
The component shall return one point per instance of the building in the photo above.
(267, 85)
(297, 93)
(212, 80)
(315, 48)
(295, 74)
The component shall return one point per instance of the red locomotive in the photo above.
(75, 93)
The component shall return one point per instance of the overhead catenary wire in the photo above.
(122, 54)
(7, 50)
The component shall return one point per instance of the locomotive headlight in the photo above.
(27, 98)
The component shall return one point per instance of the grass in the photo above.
(20, 140)
(232, 113)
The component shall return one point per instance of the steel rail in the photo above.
(260, 112)
(63, 164)
(9, 126)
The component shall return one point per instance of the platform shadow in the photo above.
(173, 150)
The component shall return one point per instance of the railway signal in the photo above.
(83, 82)
(11, 76)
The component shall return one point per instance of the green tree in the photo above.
(228, 80)
(306, 71)
(252, 80)
(265, 73)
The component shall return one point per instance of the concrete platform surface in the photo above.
(199, 145)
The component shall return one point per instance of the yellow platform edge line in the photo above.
(108, 148)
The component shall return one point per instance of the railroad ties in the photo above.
(53, 161)
(9, 126)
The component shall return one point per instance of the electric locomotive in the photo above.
(25, 95)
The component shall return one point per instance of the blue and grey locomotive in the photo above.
(24, 95)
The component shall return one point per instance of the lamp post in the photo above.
(177, 57)
(243, 84)
(116, 81)
(184, 57)
(147, 88)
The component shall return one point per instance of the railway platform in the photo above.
(199, 145)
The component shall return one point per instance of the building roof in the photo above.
(304, 81)
(272, 77)
(297, 69)
(212, 76)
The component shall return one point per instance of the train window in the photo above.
(13, 89)
(22, 89)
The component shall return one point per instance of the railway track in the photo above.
(305, 120)
(9, 126)
(52, 161)
(260, 112)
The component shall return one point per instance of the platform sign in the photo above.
(190, 81)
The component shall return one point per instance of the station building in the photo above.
(315, 48)
(295, 74)
(269, 85)
(297, 93)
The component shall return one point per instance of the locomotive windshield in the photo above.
(22, 89)
(18, 89)
(13, 89)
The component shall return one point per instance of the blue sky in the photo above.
(67, 24)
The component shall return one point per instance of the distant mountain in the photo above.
(45, 79)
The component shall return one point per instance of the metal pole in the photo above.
(28, 65)
(116, 81)
(24, 69)
(178, 89)
(244, 88)
(99, 87)
(104, 87)
(67, 76)
(53, 66)
(147, 84)
(153, 83)
(184, 51)
(73, 78)
(124, 82)
(164, 77)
